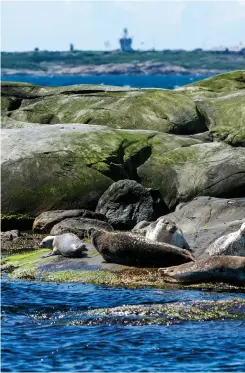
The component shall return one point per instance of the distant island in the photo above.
(76, 62)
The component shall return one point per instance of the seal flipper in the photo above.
(50, 254)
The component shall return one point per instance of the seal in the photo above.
(67, 244)
(229, 269)
(132, 250)
(167, 231)
(229, 244)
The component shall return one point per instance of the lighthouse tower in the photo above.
(126, 42)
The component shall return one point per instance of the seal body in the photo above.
(167, 231)
(229, 244)
(129, 249)
(67, 244)
(230, 269)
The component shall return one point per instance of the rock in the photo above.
(220, 100)
(205, 219)
(156, 109)
(69, 166)
(225, 117)
(211, 169)
(55, 167)
(15, 233)
(21, 222)
(127, 202)
(6, 236)
(218, 85)
(79, 226)
(45, 221)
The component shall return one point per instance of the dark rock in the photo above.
(45, 221)
(79, 226)
(127, 202)
(16, 222)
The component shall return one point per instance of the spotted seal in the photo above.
(230, 269)
(129, 249)
(167, 231)
(66, 244)
(229, 244)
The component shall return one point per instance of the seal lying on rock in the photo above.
(230, 269)
(229, 244)
(167, 231)
(129, 249)
(67, 244)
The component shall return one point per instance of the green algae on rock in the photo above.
(70, 167)
(154, 109)
(169, 313)
(211, 169)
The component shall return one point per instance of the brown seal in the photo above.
(230, 269)
(129, 249)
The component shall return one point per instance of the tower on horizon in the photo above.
(126, 42)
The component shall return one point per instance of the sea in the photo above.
(140, 81)
(39, 328)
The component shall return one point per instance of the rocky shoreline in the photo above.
(142, 68)
(178, 154)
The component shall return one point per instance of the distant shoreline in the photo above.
(97, 63)
(112, 69)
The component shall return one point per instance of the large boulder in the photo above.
(155, 109)
(221, 101)
(54, 167)
(45, 221)
(127, 202)
(79, 226)
(205, 219)
(208, 169)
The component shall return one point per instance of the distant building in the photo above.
(126, 42)
(71, 47)
(234, 49)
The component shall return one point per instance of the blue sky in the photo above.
(52, 25)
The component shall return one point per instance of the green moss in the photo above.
(228, 82)
(25, 258)
(93, 277)
(162, 110)
(15, 216)
(169, 313)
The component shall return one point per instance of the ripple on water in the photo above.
(34, 338)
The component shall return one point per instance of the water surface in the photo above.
(34, 338)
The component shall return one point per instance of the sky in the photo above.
(98, 25)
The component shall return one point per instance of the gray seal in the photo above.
(66, 244)
(229, 244)
(132, 250)
(167, 231)
(229, 269)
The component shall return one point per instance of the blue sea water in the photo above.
(38, 335)
(140, 81)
